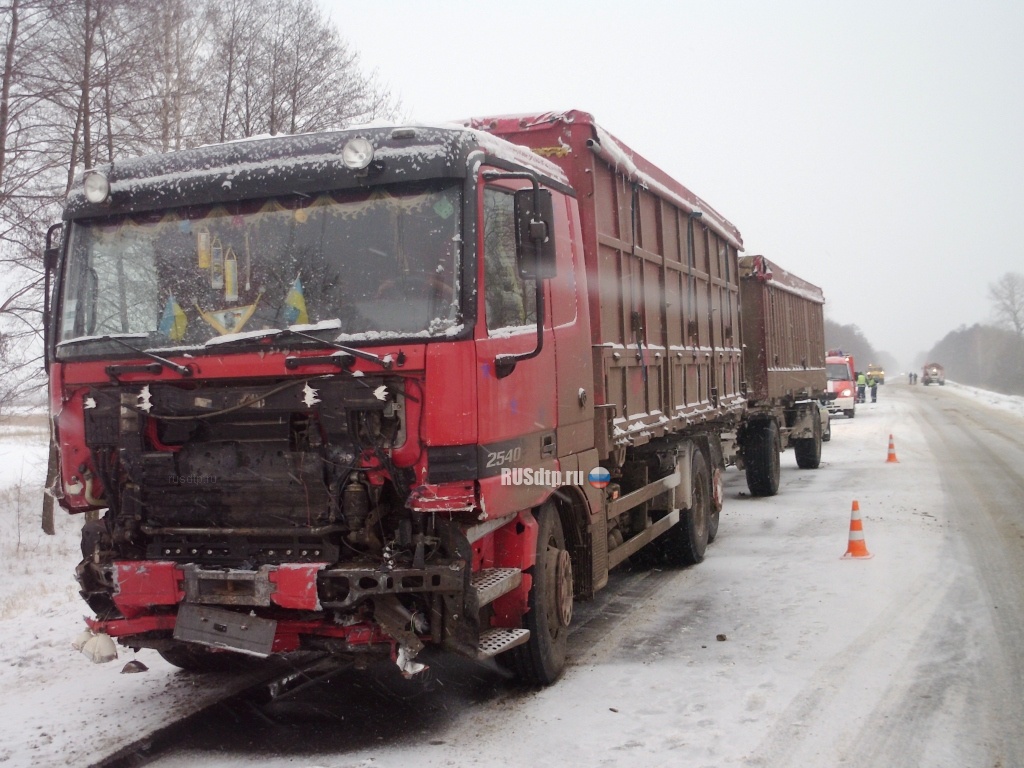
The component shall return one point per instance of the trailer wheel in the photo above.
(808, 449)
(761, 456)
(686, 542)
(541, 659)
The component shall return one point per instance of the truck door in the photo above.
(517, 413)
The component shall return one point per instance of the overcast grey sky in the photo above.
(873, 148)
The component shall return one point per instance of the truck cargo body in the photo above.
(784, 367)
(664, 294)
(297, 384)
(662, 270)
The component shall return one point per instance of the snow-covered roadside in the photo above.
(809, 637)
(1011, 403)
(57, 707)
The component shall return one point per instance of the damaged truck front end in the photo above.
(290, 507)
(241, 353)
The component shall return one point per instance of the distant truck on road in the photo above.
(876, 372)
(933, 373)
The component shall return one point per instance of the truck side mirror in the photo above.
(51, 258)
(535, 234)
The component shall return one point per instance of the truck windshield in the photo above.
(363, 265)
(837, 372)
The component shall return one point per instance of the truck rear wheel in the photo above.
(541, 659)
(715, 509)
(761, 457)
(808, 449)
(686, 542)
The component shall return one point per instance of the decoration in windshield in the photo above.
(368, 265)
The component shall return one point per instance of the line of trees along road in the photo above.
(86, 82)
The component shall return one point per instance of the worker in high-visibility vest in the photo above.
(862, 382)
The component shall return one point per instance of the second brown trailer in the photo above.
(784, 371)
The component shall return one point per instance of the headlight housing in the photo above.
(96, 187)
(357, 154)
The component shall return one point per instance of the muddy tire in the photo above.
(715, 510)
(761, 457)
(686, 542)
(808, 449)
(541, 660)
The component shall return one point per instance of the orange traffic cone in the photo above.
(891, 459)
(857, 548)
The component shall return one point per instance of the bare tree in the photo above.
(89, 81)
(234, 26)
(30, 168)
(283, 68)
(1007, 296)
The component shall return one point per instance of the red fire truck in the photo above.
(842, 383)
(371, 390)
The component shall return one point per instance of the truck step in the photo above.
(498, 640)
(492, 583)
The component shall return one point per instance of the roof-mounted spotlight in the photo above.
(97, 187)
(357, 154)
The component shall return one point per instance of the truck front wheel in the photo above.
(761, 457)
(541, 659)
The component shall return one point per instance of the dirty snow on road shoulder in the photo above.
(811, 643)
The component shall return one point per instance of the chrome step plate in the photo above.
(492, 583)
(498, 640)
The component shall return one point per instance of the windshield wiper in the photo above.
(384, 362)
(114, 370)
(277, 333)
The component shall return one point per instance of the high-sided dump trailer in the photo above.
(784, 367)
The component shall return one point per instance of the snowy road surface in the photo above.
(914, 657)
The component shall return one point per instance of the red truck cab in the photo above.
(288, 373)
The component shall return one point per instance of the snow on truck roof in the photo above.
(760, 268)
(624, 159)
(172, 178)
